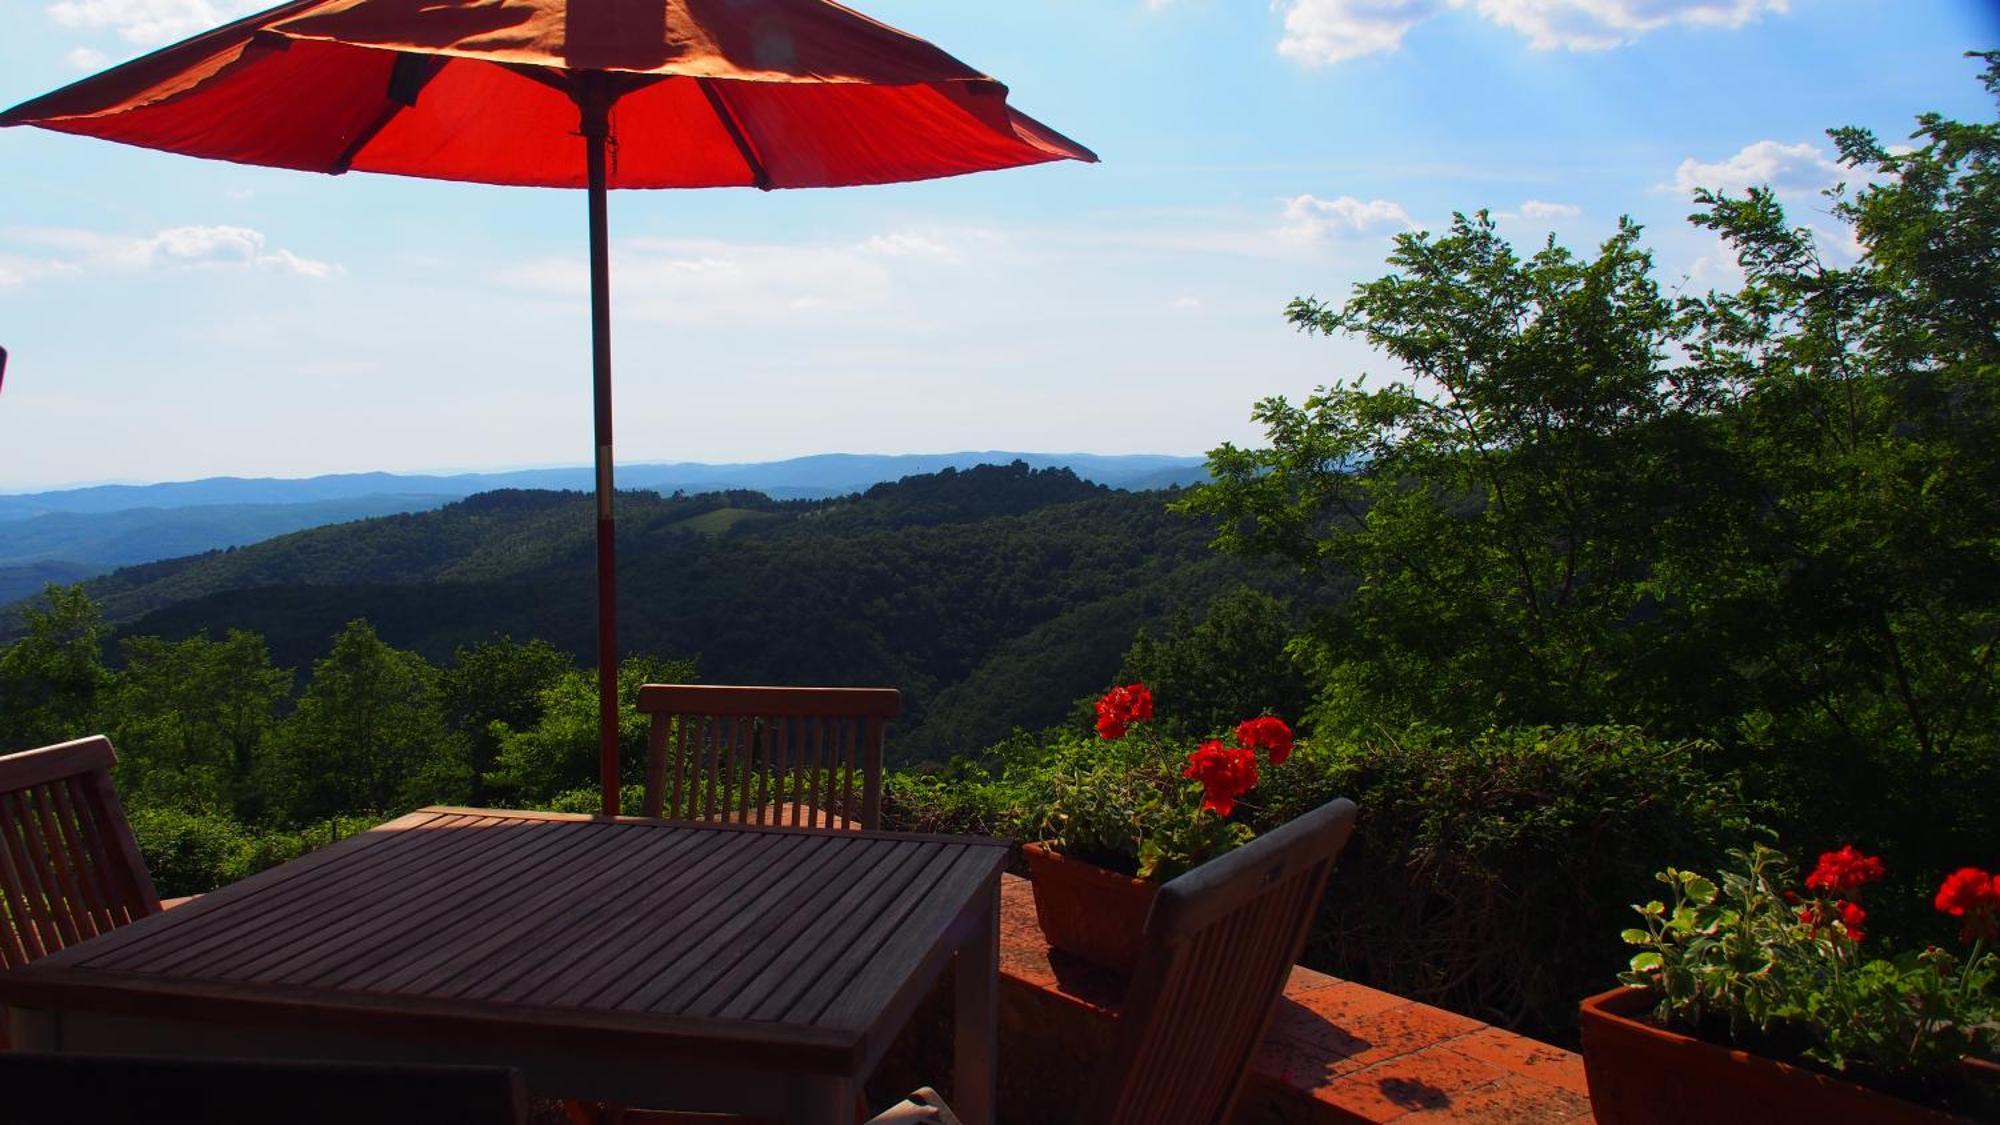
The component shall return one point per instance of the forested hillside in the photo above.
(1002, 592)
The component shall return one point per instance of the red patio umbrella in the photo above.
(567, 93)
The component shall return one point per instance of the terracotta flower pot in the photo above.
(1642, 1074)
(1087, 911)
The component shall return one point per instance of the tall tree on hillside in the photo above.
(190, 719)
(1864, 404)
(369, 735)
(51, 679)
(494, 687)
(559, 752)
(1501, 504)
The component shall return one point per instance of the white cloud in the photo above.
(1597, 25)
(150, 22)
(1542, 209)
(1798, 169)
(87, 58)
(1309, 218)
(1320, 32)
(188, 247)
(907, 245)
(1184, 304)
(705, 280)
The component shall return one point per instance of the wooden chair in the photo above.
(800, 756)
(1220, 943)
(69, 867)
(69, 1089)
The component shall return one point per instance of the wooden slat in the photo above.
(596, 934)
(638, 949)
(192, 918)
(28, 868)
(480, 927)
(656, 763)
(866, 945)
(26, 769)
(827, 933)
(202, 929)
(712, 699)
(406, 899)
(611, 906)
(752, 934)
(73, 909)
(705, 936)
(107, 911)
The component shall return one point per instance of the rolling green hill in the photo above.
(992, 596)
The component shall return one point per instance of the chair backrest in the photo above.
(1220, 943)
(805, 756)
(70, 1089)
(69, 867)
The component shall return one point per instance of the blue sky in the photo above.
(172, 318)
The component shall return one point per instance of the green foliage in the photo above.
(189, 719)
(559, 753)
(1124, 805)
(51, 678)
(369, 735)
(190, 853)
(1739, 960)
(1487, 874)
(1764, 518)
(493, 687)
(1233, 664)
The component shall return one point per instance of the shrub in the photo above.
(1490, 876)
(190, 853)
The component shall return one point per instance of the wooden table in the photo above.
(641, 962)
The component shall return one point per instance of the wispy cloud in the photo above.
(86, 58)
(1323, 32)
(1789, 169)
(1309, 218)
(1542, 209)
(69, 250)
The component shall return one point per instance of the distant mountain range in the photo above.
(991, 596)
(72, 534)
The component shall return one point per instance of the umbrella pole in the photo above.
(596, 106)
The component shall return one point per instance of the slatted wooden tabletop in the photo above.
(582, 932)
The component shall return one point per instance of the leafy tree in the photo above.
(369, 735)
(1860, 597)
(190, 719)
(1232, 665)
(52, 677)
(1499, 507)
(558, 754)
(493, 687)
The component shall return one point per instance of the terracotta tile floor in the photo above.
(1336, 1052)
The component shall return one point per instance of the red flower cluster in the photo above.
(1120, 708)
(1269, 734)
(1225, 774)
(1973, 895)
(1844, 872)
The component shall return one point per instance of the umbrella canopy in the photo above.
(594, 94)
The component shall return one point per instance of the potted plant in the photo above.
(1752, 999)
(1137, 810)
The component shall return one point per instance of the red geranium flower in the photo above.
(1269, 734)
(1844, 872)
(1973, 895)
(1225, 774)
(1853, 918)
(1121, 707)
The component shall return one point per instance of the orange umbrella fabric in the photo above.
(567, 93)
(706, 93)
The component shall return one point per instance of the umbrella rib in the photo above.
(407, 79)
(760, 175)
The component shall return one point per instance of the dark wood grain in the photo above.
(778, 946)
